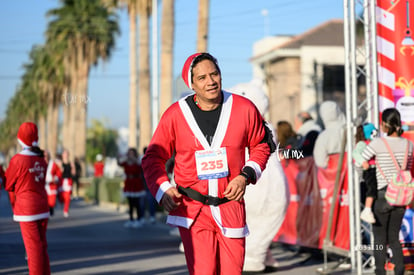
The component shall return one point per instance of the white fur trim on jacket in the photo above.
(256, 168)
(27, 152)
(48, 190)
(179, 221)
(66, 187)
(163, 188)
(31, 218)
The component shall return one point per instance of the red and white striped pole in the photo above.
(395, 53)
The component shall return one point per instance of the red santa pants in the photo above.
(65, 199)
(35, 243)
(51, 199)
(207, 251)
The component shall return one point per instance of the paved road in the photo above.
(93, 241)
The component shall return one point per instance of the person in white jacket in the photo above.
(305, 123)
(329, 141)
(267, 201)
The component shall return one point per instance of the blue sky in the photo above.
(234, 26)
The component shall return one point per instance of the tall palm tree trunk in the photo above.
(81, 112)
(42, 131)
(52, 128)
(73, 115)
(202, 34)
(66, 123)
(132, 140)
(144, 82)
(167, 48)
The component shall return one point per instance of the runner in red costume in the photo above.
(134, 189)
(25, 179)
(65, 189)
(208, 131)
(53, 180)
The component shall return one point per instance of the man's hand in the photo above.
(236, 188)
(171, 199)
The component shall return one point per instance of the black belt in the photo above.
(204, 199)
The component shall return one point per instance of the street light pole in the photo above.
(155, 94)
(266, 25)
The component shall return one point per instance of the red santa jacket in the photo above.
(240, 126)
(25, 176)
(53, 178)
(134, 185)
(57, 174)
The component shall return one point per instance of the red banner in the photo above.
(307, 216)
(340, 221)
(395, 52)
(311, 192)
(304, 214)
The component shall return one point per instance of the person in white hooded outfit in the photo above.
(266, 202)
(305, 124)
(329, 141)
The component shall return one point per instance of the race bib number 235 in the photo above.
(211, 164)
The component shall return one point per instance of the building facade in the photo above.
(300, 72)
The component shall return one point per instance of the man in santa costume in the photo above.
(208, 132)
(25, 178)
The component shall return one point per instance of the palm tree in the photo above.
(36, 81)
(132, 6)
(144, 11)
(14, 116)
(167, 49)
(49, 80)
(87, 29)
(57, 84)
(32, 81)
(32, 99)
(202, 34)
(25, 105)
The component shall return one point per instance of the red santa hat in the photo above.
(27, 135)
(186, 73)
